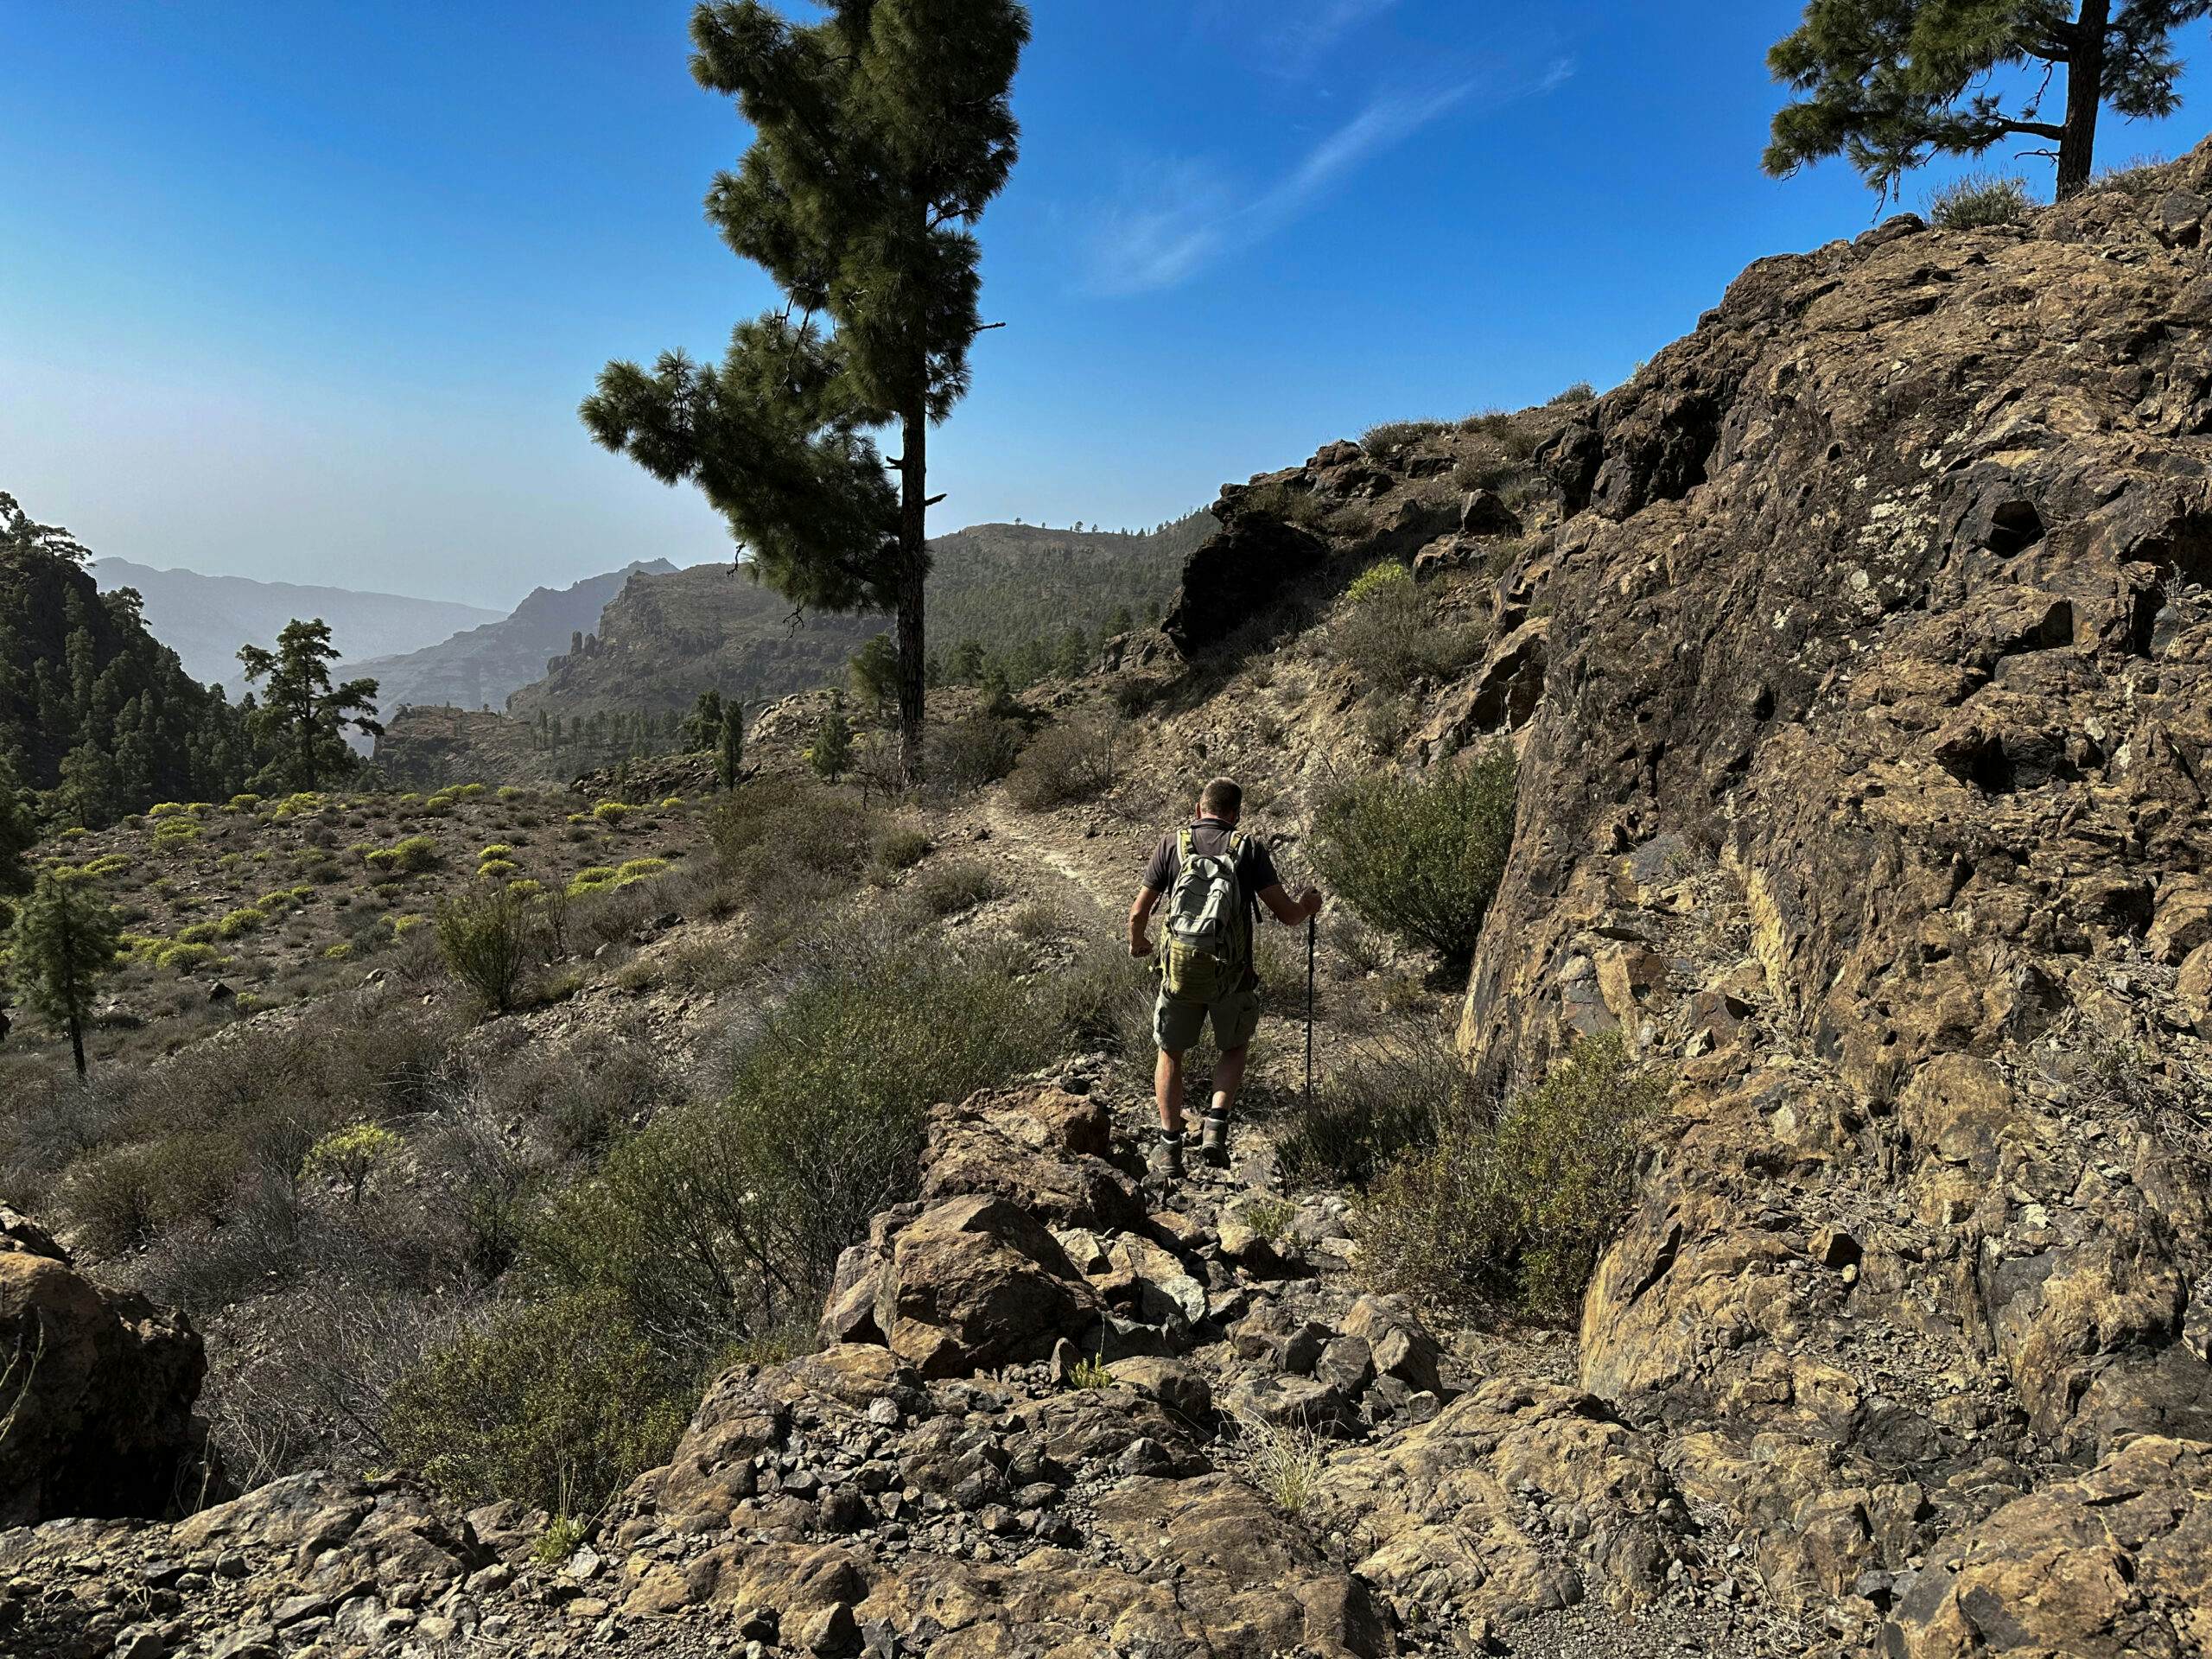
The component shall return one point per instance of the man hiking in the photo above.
(1214, 877)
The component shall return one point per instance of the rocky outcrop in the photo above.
(97, 1388)
(1867, 785)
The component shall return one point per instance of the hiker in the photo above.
(1215, 878)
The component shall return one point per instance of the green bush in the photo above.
(1302, 508)
(1390, 1095)
(947, 889)
(484, 939)
(411, 856)
(1974, 201)
(1389, 631)
(1519, 1207)
(1420, 857)
(791, 841)
(182, 957)
(900, 846)
(246, 919)
(123, 1197)
(1106, 1001)
(559, 1405)
(722, 1220)
(349, 1156)
(1387, 576)
(1073, 760)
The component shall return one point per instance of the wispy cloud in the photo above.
(1306, 32)
(1183, 216)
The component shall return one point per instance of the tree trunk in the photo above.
(76, 1041)
(913, 561)
(2085, 71)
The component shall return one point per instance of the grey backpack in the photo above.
(1209, 948)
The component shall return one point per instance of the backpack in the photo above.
(1208, 944)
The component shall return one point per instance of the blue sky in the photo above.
(311, 292)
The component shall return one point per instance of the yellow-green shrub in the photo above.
(247, 918)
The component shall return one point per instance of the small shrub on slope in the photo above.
(1519, 1207)
(974, 751)
(559, 1404)
(484, 939)
(722, 1220)
(1389, 631)
(1420, 857)
(1073, 760)
(1975, 200)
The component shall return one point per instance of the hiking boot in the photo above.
(1167, 1156)
(1213, 1141)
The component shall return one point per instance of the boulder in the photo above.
(97, 1388)
(974, 1282)
(2114, 1561)
(1399, 1345)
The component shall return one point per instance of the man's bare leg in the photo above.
(1228, 1078)
(1167, 1091)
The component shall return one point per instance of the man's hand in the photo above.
(1139, 945)
(1310, 902)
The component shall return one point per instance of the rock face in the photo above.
(1868, 784)
(95, 1392)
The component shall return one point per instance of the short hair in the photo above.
(1222, 798)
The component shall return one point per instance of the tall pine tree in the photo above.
(300, 723)
(62, 946)
(880, 134)
(1890, 83)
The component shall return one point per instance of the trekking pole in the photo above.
(1309, 1015)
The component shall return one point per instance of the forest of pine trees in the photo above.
(99, 719)
(96, 715)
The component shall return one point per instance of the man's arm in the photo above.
(1288, 910)
(1140, 918)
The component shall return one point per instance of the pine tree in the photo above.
(831, 752)
(63, 943)
(880, 134)
(18, 835)
(730, 756)
(1890, 83)
(874, 673)
(302, 719)
(703, 726)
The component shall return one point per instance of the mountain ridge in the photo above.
(205, 619)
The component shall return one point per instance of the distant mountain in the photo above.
(665, 638)
(206, 619)
(481, 667)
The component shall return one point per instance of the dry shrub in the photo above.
(1072, 760)
(1517, 1207)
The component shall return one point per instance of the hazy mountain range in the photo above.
(206, 619)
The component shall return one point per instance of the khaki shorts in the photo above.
(1176, 1024)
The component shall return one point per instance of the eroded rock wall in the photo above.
(1868, 787)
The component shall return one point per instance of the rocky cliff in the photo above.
(1868, 776)
(480, 667)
